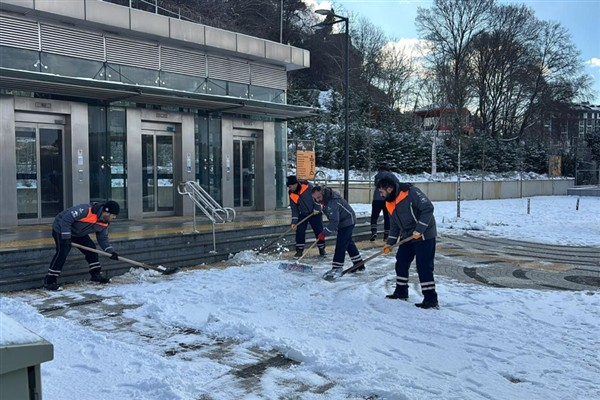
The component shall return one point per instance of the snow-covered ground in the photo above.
(191, 335)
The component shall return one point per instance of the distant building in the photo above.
(102, 101)
(588, 120)
(438, 119)
(565, 133)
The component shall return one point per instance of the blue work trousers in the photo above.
(423, 251)
(316, 222)
(62, 251)
(344, 243)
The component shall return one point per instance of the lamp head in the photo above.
(325, 12)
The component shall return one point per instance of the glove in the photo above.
(416, 235)
(114, 256)
(387, 249)
(66, 242)
(294, 227)
(316, 212)
(321, 236)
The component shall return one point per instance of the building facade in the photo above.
(567, 134)
(101, 101)
(436, 119)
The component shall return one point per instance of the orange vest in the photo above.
(296, 196)
(391, 205)
(92, 219)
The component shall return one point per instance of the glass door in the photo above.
(157, 173)
(108, 161)
(39, 156)
(244, 174)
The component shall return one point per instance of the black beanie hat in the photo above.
(111, 207)
(291, 180)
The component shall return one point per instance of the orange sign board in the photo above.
(305, 164)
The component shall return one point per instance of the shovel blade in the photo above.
(167, 270)
(297, 267)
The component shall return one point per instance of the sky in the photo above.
(579, 17)
(192, 335)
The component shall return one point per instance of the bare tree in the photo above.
(368, 40)
(397, 77)
(553, 74)
(501, 61)
(451, 26)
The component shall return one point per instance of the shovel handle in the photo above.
(306, 252)
(283, 234)
(372, 256)
(127, 260)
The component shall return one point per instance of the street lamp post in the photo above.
(333, 19)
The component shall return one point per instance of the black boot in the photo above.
(373, 236)
(98, 277)
(361, 268)
(50, 283)
(401, 293)
(429, 301)
(298, 253)
(322, 251)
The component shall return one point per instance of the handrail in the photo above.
(209, 206)
(152, 7)
(320, 176)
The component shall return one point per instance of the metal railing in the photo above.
(153, 7)
(320, 178)
(209, 206)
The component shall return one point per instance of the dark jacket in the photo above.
(338, 211)
(82, 220)
(410, 211)
(301, 201)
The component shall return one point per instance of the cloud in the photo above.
(410, 47)
(593, 62)
(317, 5)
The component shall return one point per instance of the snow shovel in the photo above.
(262, 249)
(296, 266)
(363, 262)
(160, 268)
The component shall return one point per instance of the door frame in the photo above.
(245, 136)
(38, 122)
(160, 130)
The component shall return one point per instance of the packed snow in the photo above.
(206, 333)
